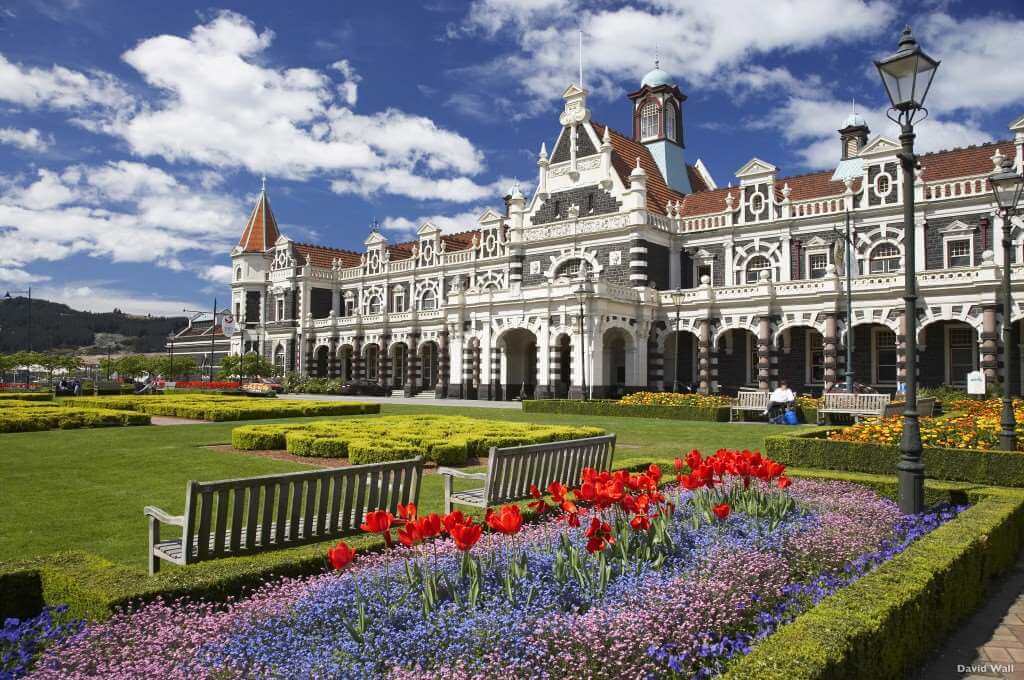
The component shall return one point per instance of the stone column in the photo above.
(385, 363)
(358, 361)
(543, 372)
(308, 357)
(764, 353)
(443, 366)
(412, 374)
(496, 387)
(332, 363)
(655, 363)
(830, 342)
(515, 271)
(991, 351)
(675, 274)
(638, 262)
(705, 359)
(470, 363)
(554, 369)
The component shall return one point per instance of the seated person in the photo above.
(781, 398)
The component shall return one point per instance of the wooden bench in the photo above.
(748, 400)
(511, 471)
(856, 405)
(925, 407)
(272, 512)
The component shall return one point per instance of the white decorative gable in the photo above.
(756, 170)
(575, 110)
(880, 146)
(957, 227)
(375, 240)
(816, 242)
(488, 218)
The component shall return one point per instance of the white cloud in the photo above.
(123, 211)
(19, 277)
(705, 43)
(813, 124)
(218, 273)
(93, 297)
(58, 87)
(28, 140)
(403, 227)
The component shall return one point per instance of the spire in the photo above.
(261, 231)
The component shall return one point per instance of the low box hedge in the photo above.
(445, 440)
(26, 396)
(886, 623)
(608, 407)
(223, 408)
(36, 416)
(991, 467)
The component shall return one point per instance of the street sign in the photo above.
(975, 382)
(228, 325)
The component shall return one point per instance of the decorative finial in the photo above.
(657, 59)
(853, 104)
(374, 226)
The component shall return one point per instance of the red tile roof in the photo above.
(261, 230)
(963, 162)
(322, 256)
(625, 151)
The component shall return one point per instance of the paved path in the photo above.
(411, 401)
(989, 644)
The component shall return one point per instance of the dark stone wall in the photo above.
(591, 200)
(874, 171)
(793, 364)
(561, 152)
(732, 368)
(861, 354)
(935, 258)
(618, 274)
(584, 147)
(657, 265)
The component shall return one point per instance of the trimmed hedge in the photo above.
(220, 408)
(26, 396)
(608, 407)
(886, 623)
(446, 440)
(33, 416)
(992, 467)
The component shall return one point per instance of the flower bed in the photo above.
(219, 407)
(971, 425)
(207, 385)
(639, 583)
(674, 399)
(694, 407)
(33, 416)
(446, 440)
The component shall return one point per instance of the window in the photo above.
(350, 306)
(279, 358)
(882, 185)
(238, 274)
(371, 362)
(961, 355)
(238, 310)
(884, 259)
(569, 269)
(755, 266)
(884, 348)
(398, 300)
(649, 121)
(590, 203)
(815, 358)
(817, 263)
(280, 310)
(752, 353)
(704, 269)
(958, 253)
(373, 306)
(670, 123)
(428, 301)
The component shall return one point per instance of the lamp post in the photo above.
(845, 255)
(7, 296)
(584, 289)
(1006, 187)
(677, 300)
(907, 76)
(170, 356)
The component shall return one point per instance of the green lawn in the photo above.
(85, 489)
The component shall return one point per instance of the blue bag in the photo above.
(790, 417)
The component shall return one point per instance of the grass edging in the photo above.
(813, 450)
(608, 407)
(885, 623)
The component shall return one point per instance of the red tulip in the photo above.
(572, 518)
(379, 522)
(453, 519)
(507, 520)
(466, 535)
(409, 535)
(340, 555)
(783, 482)
(429, 526)
(693, 459)
(557, 491)
(678, 464)
(407, 512)
(599, 534)
(654, 472)
(721, 511)
(640, 523)
(539, 505)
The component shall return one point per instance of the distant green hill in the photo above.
(57, 326)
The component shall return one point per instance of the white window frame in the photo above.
(703, 262)
(398, 299)
(279, 308)
(646, 132)
(348, 304)
(899, 257)
(875, 332)
(809, 356)
(948, 359)
(949, 239)
(892, 185)
(371, 366)
(372, 302)
(812, 253)
(435, 303)
(746, 269)
(669, 112)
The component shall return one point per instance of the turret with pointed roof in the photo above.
(261, 230)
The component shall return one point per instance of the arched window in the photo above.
(670, 122)
(428, 301)
(238, 274)
(569, 269)
(373, 305)
(885, 258)
(756, 265)
(649, 121)
(398, 299)
(279, 357)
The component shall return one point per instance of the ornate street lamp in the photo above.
(584, 290)
(907, 76)
(677, 299)
(1007, 186)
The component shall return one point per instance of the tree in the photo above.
(132, 366)
(171, 369)
(245, 366)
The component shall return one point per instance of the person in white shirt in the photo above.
(781, 398)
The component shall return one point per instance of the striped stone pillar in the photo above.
(555, 369)
(384, 354)
(496, 386)
(638, 262)
(412, 373)
(332, 362)
(830, 348)
(705, 367)
(308, 358)
(443, 365)
(291, 354)
(470, 362)
(764, 353)
(515, 268)
(992, 353)
(656, 364)
(358, 361)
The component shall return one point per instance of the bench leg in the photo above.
(447, 494)
(154, 538)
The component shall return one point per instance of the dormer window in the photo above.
(649, 121)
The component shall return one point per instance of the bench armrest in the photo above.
(161, 516)
(452, 472)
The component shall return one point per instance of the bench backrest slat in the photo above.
(284, 489)
(757, 399)
(252, 517)
(512, 470)
(203, 534)
(269, 500)
(856, 402)
(238, 507)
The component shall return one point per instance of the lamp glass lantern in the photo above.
(907, 74)
(584, 289)
(1007, 185)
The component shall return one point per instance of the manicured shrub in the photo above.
(16, 416)
(604, 407)
(217, 407)
(446, 440)
(26, 396)
(814, 450)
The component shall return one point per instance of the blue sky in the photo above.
(133, 135)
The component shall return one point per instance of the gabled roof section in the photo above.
(964, 162)
(624, 155)
(756, 167)
(322, 256)
(261, 232)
